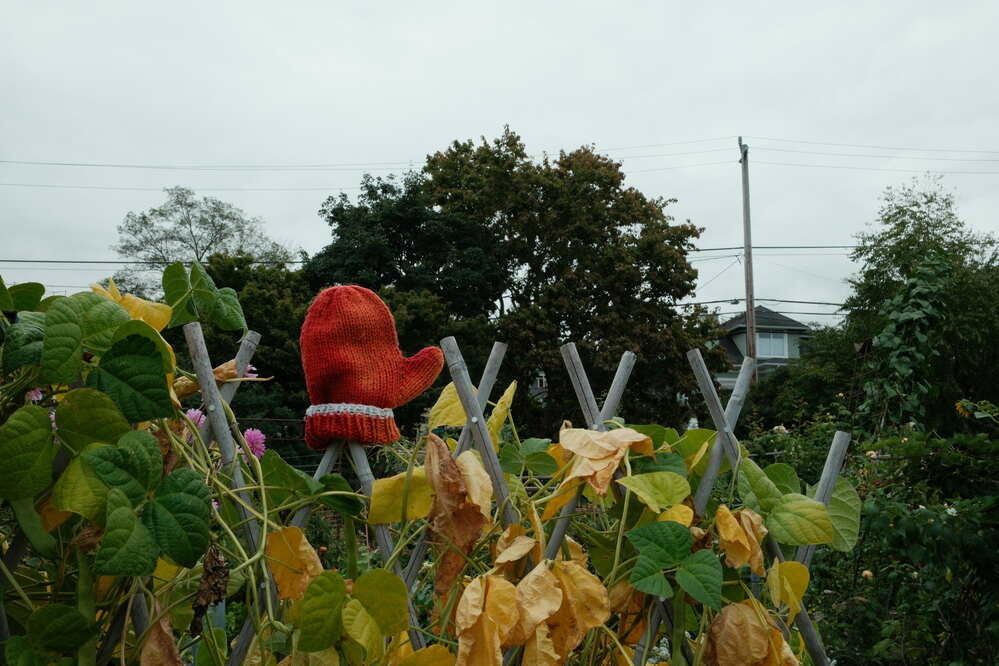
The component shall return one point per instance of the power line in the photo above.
(160, 189)
(768, 300)
(884, 157)
(861, 145)
(120, 262)
(860, 168)
(776, 247)
(720, 273)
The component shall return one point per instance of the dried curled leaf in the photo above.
(487, 613)
(738, 636)
(518, 548)
(212, 588)
(480, 487)
(160, 648)
(585, 605)
(629, 604)
(598, 454)
(538, 598)
(740, 535)
(293, 561)
(752, 524)
(456, 521)
(185, 388)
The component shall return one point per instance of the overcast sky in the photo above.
(337, 82)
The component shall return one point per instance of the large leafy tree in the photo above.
(188, 228)
(487, 241)
(921, 322)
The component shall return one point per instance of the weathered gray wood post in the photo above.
(827, 484)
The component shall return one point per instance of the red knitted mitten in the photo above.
(354, 369)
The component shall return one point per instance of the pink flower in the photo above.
(215, 503)
(251, 372)
(35, 395)
(255, 440)
(197, 416)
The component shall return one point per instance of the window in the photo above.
(771, 345)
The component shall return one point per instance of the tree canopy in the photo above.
(186, 228)
(486, 242)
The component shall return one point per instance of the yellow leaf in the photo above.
(156, 315)
(576, 552)
(780, 652)
(500, 413)
(435, 655)
(52, 517)
(787, 582)
(539, 650)
(629, 604)
(598, 454)
(734, 541)
(538, 598)
(159, 648)
(363, 629)
(487, 613)
(480, 487)
(388, 495)
(737, 637)
(562, 495)
(447, 411)
(165, 572)
(327, 657)
(585, 605)
(293, 561)
(752, 525)
(680, 513)
(521, 546)
(695, 458)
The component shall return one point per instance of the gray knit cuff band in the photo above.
(350, 408)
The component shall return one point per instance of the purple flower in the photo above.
(197, 416)
(251, 372)
(35, 395)
(255, 440)
(215, 503)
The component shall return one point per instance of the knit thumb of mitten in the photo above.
(354, 370)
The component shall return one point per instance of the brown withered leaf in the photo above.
(160, 648)
(88, 538)
(752, 524)
(732, 538)
(185, 388)
(212, 587)
(738, 637)
(585, 605)
(455, 519)
(629, 604)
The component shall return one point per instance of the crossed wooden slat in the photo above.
(827, 482)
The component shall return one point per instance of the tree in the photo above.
(923, 313)
(539, 252)
(186, 228)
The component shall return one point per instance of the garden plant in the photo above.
(137, 511)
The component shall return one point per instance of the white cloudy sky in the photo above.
(359, 82)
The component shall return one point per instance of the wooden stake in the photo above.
(707, 387)
(827, 484)
(480, 432)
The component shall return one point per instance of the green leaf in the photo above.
(320, 612)
(700, 576)
(658, 490)
(26, 296)
(226, 312)
(6, 302)
(283, 480)
(133, 467)
(19, 653)
(101, 316)
(755, 487)
(127, 548)
(23, 345)
(784, 477)
(796, 520)
(206, 656)
(844, 512)
(59, 628)
(177, 293)
(660, 546)
(131, 372)
(363, 629)
(80, 490)
(661, 462)
(204, 292)
(27, 451)
(347, 505)
(657, 433)
(385, 597)
(85, 416)
(62, 348)
(178, 517)
(143, 329)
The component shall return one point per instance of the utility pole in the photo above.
(747, 251)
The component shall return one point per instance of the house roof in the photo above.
(766, 319)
